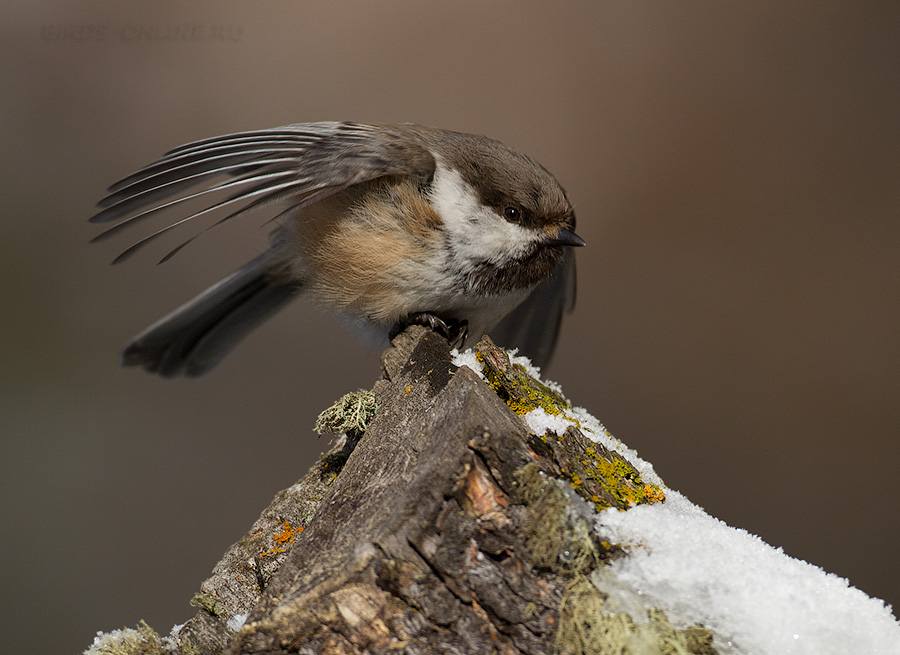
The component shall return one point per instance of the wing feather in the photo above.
(296, 165)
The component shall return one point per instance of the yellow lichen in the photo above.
(590, 467)
(620, 480)
(521, 392)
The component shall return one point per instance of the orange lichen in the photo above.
(286, 536)
(654, 494)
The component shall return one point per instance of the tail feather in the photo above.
(194, 338)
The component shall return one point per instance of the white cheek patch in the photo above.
(477, 231)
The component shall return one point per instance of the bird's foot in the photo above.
(451, 329)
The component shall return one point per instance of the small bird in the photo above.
(386, 225)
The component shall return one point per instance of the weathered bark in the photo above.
(419, 543)
(450, 528)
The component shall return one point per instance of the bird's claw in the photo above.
(454, 331)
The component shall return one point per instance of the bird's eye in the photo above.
(511, 213)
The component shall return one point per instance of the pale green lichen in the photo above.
(556, 539)
(586, 626)
(188, 647)
(208, 603)
(350, 415)
(142, 640)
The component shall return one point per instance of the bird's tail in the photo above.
(194, 338)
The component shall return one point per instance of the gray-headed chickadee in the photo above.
(384, 224)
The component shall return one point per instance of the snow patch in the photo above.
(750, 594)
(467, 358)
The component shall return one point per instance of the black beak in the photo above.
(566, 238)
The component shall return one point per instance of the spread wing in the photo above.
(300, 164)
(532, 327)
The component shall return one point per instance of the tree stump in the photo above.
(445, 526)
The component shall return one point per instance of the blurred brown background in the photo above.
(735, 173)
